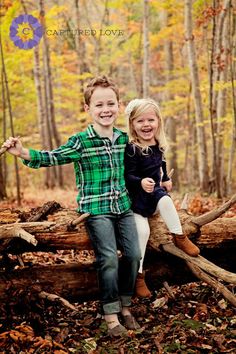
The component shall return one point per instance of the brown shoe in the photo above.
(130, 322)
(183, 243)
(117, 331)
(141, 289)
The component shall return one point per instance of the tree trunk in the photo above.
(223, 65)
(3, 193)
(171, 126)
(80, 50)
(3, 165)
(49, 102)
(8, 99)
(65, 230)
(232, 79)
(202, 148)
(146, 46)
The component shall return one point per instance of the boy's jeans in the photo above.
(116, 277)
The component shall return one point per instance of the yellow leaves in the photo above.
(221, 85)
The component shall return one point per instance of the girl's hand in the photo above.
(148, 184)
(167, 185)
(14, 146)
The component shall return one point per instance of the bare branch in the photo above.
(213, 283)
(184, 204)
(17, 231)
(202, 263)
(54, 297)
(214, 214)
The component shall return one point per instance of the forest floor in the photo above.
(196, 320)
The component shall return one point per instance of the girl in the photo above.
(144, 162)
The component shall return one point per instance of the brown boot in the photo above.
(141, 289)
(183, 243)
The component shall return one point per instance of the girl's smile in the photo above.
(146, 126)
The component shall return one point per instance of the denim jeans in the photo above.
(116, 276)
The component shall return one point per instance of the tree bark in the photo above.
(171, 126)
(202, 148)
(64, 230)
(146, 46)
(8, 100)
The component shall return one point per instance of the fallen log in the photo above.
(64, 230)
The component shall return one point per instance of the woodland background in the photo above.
(181, 53)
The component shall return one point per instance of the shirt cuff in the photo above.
(35, 159)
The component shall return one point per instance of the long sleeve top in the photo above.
(139, 165)
(99, 169)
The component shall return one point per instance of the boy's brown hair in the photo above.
(99, 81)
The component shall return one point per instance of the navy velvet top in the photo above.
(139, 165)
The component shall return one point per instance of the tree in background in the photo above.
(199, 112)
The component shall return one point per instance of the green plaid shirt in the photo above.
(99, 169)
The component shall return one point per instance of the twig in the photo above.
(184, 204)
(78, 220)
(54, 297)
(20, 260)
(168, 289)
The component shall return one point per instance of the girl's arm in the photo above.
(131, 168)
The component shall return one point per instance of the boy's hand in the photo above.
(148, 184)
(14, 146)
(167, 185)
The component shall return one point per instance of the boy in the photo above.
(98, 157)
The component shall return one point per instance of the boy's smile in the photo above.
(146, 127)
(103, 108)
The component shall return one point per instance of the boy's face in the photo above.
(103, 107)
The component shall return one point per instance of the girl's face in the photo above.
(146, 127)
(103, 107)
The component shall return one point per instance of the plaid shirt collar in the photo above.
(91, 133)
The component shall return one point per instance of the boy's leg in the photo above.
(102, 235)
(130, 260)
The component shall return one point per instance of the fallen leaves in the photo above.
(193, 322)
(24, 336)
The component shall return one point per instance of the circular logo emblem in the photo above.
(26, 31)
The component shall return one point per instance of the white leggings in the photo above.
(167, 210)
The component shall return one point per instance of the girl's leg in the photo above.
(167, 210)
(143, 230)
(169, 214)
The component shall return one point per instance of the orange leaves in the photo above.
(23, 337)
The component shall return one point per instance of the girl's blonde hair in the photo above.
(137, 107)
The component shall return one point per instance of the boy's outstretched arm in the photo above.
(15, 147)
